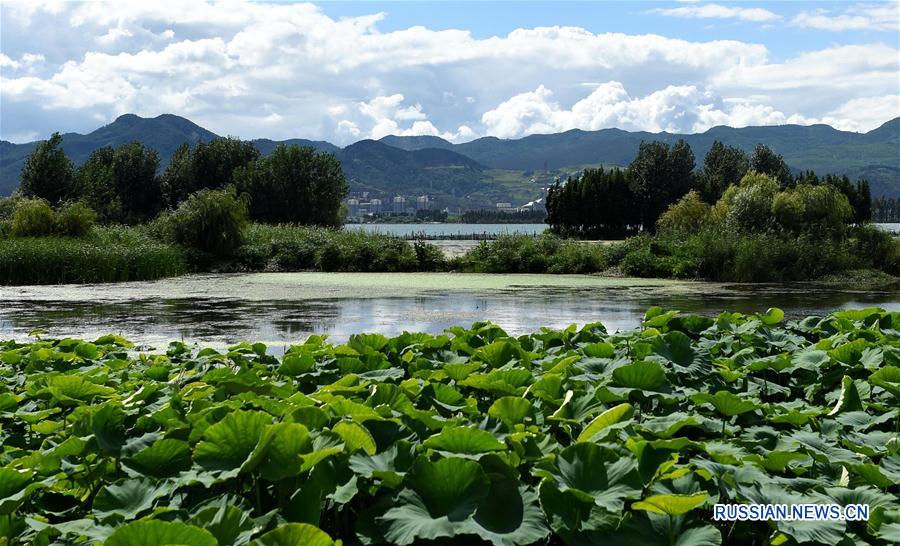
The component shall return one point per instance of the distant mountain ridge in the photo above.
(459, 173)
(822, 148)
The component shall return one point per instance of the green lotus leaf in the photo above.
(595, 475)
(464, 440)
(726, 403)
(849, 399)
(449, 487)
(441, 502)
(13, 488)
(311, 417)
(294, 534)
(160, 533)
(355, 436)
(776, 461)
(230, 525)
(129, 498)
(293, 365)
(70, 390)
(498, 353)
(657, 317)
(772, 316)
(228, 444)
(640, 375)
(511, 409)
(509, 515)
(675, 347)
(671, 505)
(668, 425)
(461, 370)
(612, 416)
(165, 457)
(108, 426)
(282, 457)
(888, 378)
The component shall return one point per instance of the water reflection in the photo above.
(289, 318)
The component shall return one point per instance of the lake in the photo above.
(436, 231)
(284, 308)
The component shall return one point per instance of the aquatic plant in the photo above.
(579, 436)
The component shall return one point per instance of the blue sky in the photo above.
(486, 19)
(343, 71)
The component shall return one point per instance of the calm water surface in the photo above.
(454, 230)
(284, 308)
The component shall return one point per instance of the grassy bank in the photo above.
(104, 254)
(471, 436)
(113, 254)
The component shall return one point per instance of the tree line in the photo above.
(612, 203)
(886, 209)
(123, 184)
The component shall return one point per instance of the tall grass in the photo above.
(300, 248)
(105, 254)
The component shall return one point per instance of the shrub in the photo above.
(288, 247)
(75, 219)
(750, 206)
(211, 221)
(688, 215)
(33, 218)
(546, 253)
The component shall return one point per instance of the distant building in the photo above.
(505, 207)
(375, 206)
(423, 203)
(399, 204)
(353, 207)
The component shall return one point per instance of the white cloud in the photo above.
(884, 17)
(678, 109)
(717, 11)
(231, 67)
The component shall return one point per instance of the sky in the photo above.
(346, 71)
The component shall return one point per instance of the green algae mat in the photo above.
(472, 436)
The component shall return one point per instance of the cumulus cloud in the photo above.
(282, 70)
(677, 109)
(884, 17)
(717, 11)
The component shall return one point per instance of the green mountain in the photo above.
(487, 170)
(874, 155)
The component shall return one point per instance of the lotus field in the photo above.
(578, 436)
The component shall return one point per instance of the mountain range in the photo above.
(483, 171)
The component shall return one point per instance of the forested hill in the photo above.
(163, 133)
(874, 155)
(429, 164)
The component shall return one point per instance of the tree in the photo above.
(95, 186)
(723, 166)
(660, 175)
(121, 183)
(48, 172)
(208, 165)
(137, 186)
(294, 184)
(767, 162)
(597, 204)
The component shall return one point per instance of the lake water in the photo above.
(284, 308)
(450, 230)
(462, 230)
